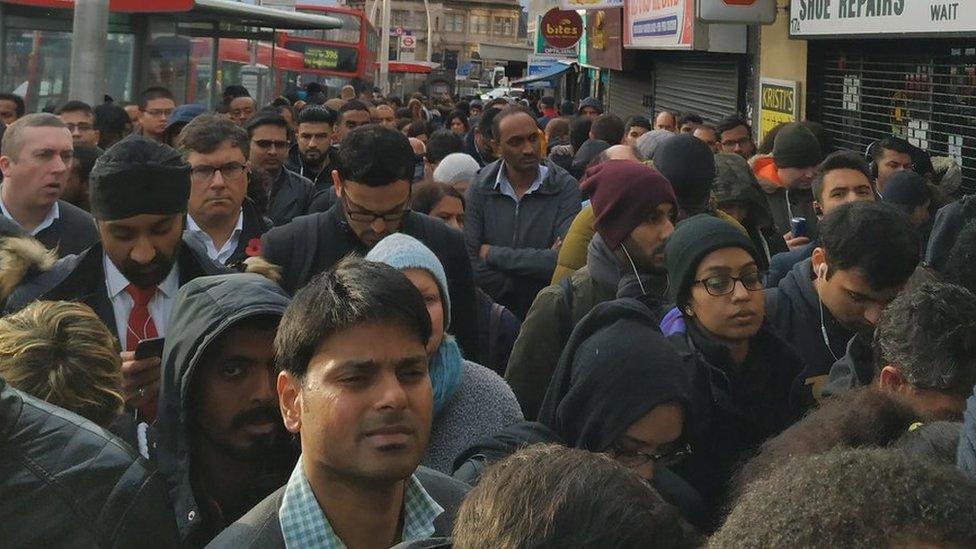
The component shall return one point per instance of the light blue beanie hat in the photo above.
(402, 251)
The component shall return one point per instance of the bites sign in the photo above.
(561, 28)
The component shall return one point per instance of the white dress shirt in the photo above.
(53, 214)
(223, 254)
(160, 305)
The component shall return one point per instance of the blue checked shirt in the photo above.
(303, 524)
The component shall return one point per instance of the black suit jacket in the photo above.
(314, 243)
(81, 278)
(72, 233)
(260, 528)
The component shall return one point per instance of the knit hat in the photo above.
(402, 251)
(795, 146)
(621, 193)
(692, 240)
(138, 176)
(689, 164)
(906, 189)
(590, 102)
(455, 168)
(650, 141)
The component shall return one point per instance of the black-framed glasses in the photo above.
(731, 143)
(633, 459)
(720, 285)
(362, 215)
(80, 126)
(268, 143)
(229, 170)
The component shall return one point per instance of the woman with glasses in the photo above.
(620, 389)
(743, 371)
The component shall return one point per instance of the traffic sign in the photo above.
(398, 31)
(407, 42)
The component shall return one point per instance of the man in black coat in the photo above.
(36, 160)
(139, 191)
(375, 165)
(290, 194)
(68, 483)
(220, 218)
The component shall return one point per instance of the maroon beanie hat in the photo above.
(622, 192)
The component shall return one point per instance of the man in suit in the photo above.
(139, 190)
(221, 217)
(354, 387)
(35, 158)
(372, 179)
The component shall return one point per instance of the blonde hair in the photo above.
(61, 352)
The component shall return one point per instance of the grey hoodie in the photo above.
(204, 309)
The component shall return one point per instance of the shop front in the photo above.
(904, 68)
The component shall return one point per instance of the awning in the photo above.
(215, 11)
(547, 74)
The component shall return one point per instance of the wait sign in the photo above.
(779, 103)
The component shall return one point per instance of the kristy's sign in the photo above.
(876, 17)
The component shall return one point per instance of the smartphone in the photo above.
(150, 347)
(798, 226)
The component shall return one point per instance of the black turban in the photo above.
(138, 176)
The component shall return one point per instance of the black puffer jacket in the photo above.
(65, 482)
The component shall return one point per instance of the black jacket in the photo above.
(291, 196)
(521, 234)
(260, 529)
(322, 179)
(793, 311)
(252, 227)
(948, 222)
(735, 408)
(68, 483)
(315, 243)
(72, 233)
(204, 309)
(82, 278)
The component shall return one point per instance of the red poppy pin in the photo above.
(253, 248)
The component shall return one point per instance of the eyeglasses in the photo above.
(268, 143)
(159, 113)
(80, 126)
(633, 459)
(229, 170)
(731, 143)
(362, 215)
(724, 285)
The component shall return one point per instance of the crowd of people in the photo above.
(368, 322)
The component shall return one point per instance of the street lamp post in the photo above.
(89, 39)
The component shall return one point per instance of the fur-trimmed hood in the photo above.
(20, 257)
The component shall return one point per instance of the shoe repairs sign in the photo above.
(839, 18)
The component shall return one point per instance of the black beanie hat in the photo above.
(906, 189)
(138, 176)
(795, 146)
(692, 240)
(689, 164)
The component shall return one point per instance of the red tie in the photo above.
(141, 326)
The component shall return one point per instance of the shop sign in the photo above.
(591, 4)
(737, 11)
(538, 64)
(812, 18)
(604, 46)
(561, 28)
(659, 24)
(542, 47)
(779, 103)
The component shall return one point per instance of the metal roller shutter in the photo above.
(630, 93)
(921, 90)
(707, 84)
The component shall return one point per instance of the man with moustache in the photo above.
(313, 155)
(633, 212)
(138, 194)
(290, 194)
(372, 180)
(35, 157)
(354, 387)
(221, 444)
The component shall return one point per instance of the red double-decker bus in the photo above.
(336, 57)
